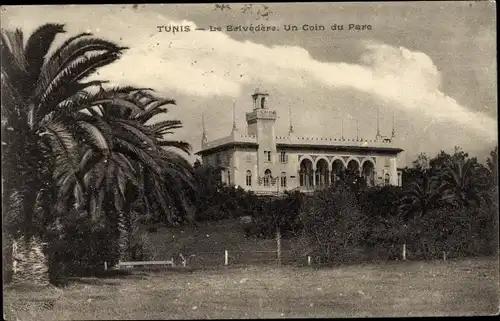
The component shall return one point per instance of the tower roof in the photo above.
(259, 90)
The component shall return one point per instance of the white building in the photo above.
(260, 161)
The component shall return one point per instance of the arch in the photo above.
(368, 172)
(338, 169)
(267, 177)
(249, 178)
(335, 158)
(302, 157)
(306, 172)
(283, 179)
(324, 158)
(353, 165)
(322, 172)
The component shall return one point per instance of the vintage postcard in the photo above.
(259, 160)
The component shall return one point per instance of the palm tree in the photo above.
(138, 161)
(465, 181)
(492, 163)
(60, 137)
(421, 195)
(39, 135)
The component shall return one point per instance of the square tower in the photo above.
(260, 123)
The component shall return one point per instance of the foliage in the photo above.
(218, 201)
(450, 206)
(383, 222)
(448, 203)
(74, 145)
(271, 213)
(334, 223)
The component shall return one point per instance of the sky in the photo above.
(428, 67)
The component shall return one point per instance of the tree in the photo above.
(422, 162)
(445, 207)
(333, 223)
(421, 195)
(383, 222)
(279, 214)
(62, 138)
(39, 136)
(492, 164)
(465, 181)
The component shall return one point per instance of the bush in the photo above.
(334, 224)
(141, 248)
(459, 232)
(81, 250)
(384, 228)
(271, 212)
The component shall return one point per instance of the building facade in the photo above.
(262, 162)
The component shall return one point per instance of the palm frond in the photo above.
(12, 101)
(64, 146)
(135, 130)
(13, 51)
(165, 127)
(37, 47)
(138, 154)
(145, 117)
(57, 89)
(76, 48)
(96, 137)
(184, 146)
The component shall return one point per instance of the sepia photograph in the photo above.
(249, 160)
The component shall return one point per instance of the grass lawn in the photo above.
(465, 287)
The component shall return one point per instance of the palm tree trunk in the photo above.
(123, 236)
(30, 262)
(7, 258)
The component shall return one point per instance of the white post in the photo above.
(183, 260)
(105, 266)
(309, 260)
(278, 245)
(444, 256)
(404, 251)
(226, 257)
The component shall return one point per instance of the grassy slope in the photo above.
(204, 245)
(467, 287)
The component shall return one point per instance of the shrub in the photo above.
(383, 225)
(80, 250)
(271, 212)
(141, 248)
(333, 223)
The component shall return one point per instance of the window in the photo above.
(283, 179)
(217, 159)
(283, 157)
(387, 179)
(267, 177)
(249, 178)
(267, 156)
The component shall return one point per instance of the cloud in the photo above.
(211, 64)
(209, 70)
